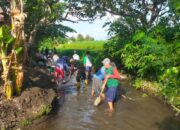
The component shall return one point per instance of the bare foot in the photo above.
(92, 93)
(110, 110)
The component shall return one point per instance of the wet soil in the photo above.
(38, 92)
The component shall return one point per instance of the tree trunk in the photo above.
(31, 39)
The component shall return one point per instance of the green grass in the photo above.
(25, 122)
(83, 45)
(44, 110)
(95, 48)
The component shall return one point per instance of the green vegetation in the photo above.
(11, 47)
(83, 45)
(25, 122)
(148, 49)
(145, 39)
(144, 42)
(95, 48)
(44, 110)
(80, 37)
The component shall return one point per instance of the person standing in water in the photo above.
(112, 75)
(87, 61)
(97, 81)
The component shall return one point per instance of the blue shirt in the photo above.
(100, 74)
(61, 63)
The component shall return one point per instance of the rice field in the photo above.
(94, 47)
(83, 45)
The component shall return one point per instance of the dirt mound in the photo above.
(35, 100)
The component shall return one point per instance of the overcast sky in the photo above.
(94, 29)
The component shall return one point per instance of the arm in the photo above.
(115, 74)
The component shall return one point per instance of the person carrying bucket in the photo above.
(111, 76)
(87, 61)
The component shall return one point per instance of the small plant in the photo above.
(25, 122)
(144, 95)
(44, 110)
(149, 86)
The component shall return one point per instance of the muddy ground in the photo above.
(35, 100)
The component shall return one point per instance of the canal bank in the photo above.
(36, 100)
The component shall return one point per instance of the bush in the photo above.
(170, 87)
(147, 86)
(146, 56)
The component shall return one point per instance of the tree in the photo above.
(88, 38)
(45, 18)
(144, 12)
(80, 37)
(73, 39)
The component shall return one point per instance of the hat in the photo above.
(106, 60)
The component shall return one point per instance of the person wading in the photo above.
(112, 75)
(87, 61)
(97, 83)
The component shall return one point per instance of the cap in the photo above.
(106, 60)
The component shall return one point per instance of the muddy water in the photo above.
(77, 112)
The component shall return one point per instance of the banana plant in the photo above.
(12, 70)
(6, 41)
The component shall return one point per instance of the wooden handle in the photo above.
(103, 86)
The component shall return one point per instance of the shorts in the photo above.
(59, 72)
(80, 75)
(111, 94)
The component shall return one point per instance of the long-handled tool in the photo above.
(99, 99)
(126, 97)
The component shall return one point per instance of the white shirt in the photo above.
(55, 58)
(88, 62)
(76, 57)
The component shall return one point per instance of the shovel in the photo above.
(99, 99)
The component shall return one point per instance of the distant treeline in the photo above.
(80, 37)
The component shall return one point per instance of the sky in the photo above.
(94, 29)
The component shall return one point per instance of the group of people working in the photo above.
(72, 66)
(108, 74)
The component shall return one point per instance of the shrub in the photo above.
(170, 87)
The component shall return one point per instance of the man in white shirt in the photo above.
(87, 61)
(55, 58)
(76, 56)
